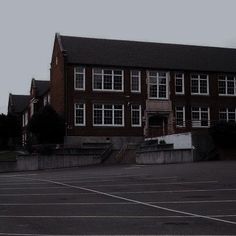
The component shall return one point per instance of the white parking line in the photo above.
(113, 203)
(10, 175)
(139, 202)
(31, 182)
(121, 216)
(113, 185)
(147, 184)
(34, 188)
(120, 193)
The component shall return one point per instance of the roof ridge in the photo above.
(148, 42)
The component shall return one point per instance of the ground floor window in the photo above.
(108, 115)
(136, 115)
(180, 116)
(79, 114)
(227, 114)
(200, 117)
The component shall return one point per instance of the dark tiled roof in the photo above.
(148, 55)
(18, 102)
(42, 86)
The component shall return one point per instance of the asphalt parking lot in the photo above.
(176, 199)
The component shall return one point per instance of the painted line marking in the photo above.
(139, 202)
(113, 185)
(145, 184)
(111, 216)
(73, 180)
(31, 182)
(113, 203)
(10, 176)
(131, 192)
(34, 188)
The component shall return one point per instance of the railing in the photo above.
(120, 155)
(106, 153)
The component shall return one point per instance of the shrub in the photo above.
(224, 134)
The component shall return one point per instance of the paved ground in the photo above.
(177, 199)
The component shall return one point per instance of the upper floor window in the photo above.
(227, 114)
(200, 117)
(136, 115)
(25, 118)
(79, 114)
(199, 84)
(158, 85)
(180, 116)
(31, 109)
(135, 77)
(179, 83)
(79, 78)
(227, 85)
(107, 79)
(108, 115)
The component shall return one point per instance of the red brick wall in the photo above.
(57, 79)
(89, 97)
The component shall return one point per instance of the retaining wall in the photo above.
(36, 162)
(164, 156)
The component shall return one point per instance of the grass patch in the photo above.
(7, 156)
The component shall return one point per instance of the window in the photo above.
(136, 115)
(180, 116)
(227, 114)
(227, 85)
(79, 78)
(179, 83)
(31, 108)
(79, 114)
(135, 76)
(108, 115)
(158, 85)
(25, 119)
(107, 79)
(199, 84)
(200, 117)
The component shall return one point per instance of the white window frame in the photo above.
(226, 112)
(158, 84)
(26, 118)
(226, 80)
(182, 80)
(132, 76)
(183, 111)
(79, 73)
(113, 116)
(140, 115)
(199, 84)
(113, 74)
(31, 109)
(84, 114)
(197, 123)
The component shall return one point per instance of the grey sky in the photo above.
(28, 28)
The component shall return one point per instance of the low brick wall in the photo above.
(164, 156)
(36, 162)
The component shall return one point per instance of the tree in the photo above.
(47, 126)
(9, 130)
(224, 134)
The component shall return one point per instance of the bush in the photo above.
(224, 134)
(47, 126)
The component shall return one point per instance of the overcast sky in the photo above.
(28, 28)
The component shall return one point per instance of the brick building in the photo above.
(24, 106)
(123, 91)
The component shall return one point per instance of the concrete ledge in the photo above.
(164, 156)
(36, 162)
